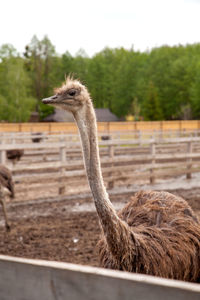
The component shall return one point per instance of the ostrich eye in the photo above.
(72, 92)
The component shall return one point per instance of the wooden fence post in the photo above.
(153, 153)
(2, 154)
(111, 155)
(63, 154)
(61, 190)
(189, 160)
(139, 138)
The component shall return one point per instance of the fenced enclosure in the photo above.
(52, 166)
(125, 157)
(34, 279)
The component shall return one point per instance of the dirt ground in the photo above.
(71, 238)
(62, 229)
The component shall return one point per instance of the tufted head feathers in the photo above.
(71, 96)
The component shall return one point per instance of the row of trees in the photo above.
(161, 84)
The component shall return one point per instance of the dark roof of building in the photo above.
(103, 115)
(59, 116)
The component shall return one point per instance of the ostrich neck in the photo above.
(114, 228)
(88, 133)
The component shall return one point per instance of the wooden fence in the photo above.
(36, 279)
(105, 127)
(59, 161)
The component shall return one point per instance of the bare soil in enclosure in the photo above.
(64, 229)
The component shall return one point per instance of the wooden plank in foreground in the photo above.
(36, 279)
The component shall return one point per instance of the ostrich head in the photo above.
(71, 96)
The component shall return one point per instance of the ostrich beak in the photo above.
(50, 100)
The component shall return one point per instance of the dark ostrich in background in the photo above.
(37, 137)
(6, 182)
(156, 233)
(14, 155)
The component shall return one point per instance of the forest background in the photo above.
(159, 84)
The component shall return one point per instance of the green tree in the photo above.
(15, 101)
(165, 81)
(39, 58)
(66, 66)
(130, 81)
(135, 109)
(151, 107)
(195, 93)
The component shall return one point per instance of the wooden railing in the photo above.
(105, 127)
(59, 162)
(46, 280)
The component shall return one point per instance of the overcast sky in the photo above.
(93, 25)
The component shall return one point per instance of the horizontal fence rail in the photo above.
(56, 162)
(36, 279)
(70, 127)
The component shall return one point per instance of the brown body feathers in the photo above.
(165, 238)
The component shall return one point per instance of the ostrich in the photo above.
(6, 182)
(156, 233)
(14, 155)
(37, 137)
